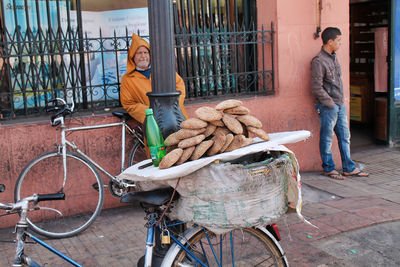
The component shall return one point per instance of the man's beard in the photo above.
(143, 64)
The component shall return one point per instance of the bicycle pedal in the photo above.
(128, 184)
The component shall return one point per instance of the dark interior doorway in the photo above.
(369, 71)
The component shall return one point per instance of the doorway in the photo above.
(369, 72)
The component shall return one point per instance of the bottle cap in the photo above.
(149, 111)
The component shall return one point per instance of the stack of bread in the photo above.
(215, 130)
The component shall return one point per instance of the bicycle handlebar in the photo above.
(57, 196)
(63, 111)
(19, 205)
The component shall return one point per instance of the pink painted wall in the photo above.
(291, 108)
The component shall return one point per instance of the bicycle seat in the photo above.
(121, 115)
(157, 197)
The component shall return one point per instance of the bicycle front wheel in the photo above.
(83, 190)
(241, 247)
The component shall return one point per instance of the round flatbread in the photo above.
(210, 129)
(258, 132)
(238, 142)
(218, 123)
(172, 139)
(187, 133)
(247, 142)
(240, 110)
(232, 124)
(219, 141)
(170, 148)
(221, 130)
(249, 120)
(192, 141)
(229, 139)
(193, 123)
(187, 152)
(208, 114)
(230, 103)
(201, 149)
(170, 159)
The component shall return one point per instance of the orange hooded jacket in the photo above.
(134, 85)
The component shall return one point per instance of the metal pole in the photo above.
(164, 98)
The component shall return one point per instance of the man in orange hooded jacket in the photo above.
(137, 81)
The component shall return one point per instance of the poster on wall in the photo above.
(30, 73)
(18, 17)
(396, 56)
(104, 65)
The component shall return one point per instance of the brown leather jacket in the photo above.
(326, 80)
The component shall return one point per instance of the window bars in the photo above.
(46, 55)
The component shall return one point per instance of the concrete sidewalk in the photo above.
(341, 206)
(117, 237)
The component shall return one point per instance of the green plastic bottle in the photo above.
(155, 140)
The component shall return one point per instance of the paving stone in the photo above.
(302, 254)
(316, 210)
(289, 219)
(306, 232)
(350, 204)
(395, 198)
(345, 221)
(379, 214)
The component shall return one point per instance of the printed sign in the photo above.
(102, 69)
(18, 17)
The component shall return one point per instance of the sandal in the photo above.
(334, 175)
(356, 173)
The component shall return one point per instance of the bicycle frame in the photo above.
(22, 207)
(43, 244)
(150, 242)
(64, 143)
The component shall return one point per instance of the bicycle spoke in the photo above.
(232, 249)
(211, 246)
(220, 248)
(204, 253)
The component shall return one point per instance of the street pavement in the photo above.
(355, 217)
(358, 222)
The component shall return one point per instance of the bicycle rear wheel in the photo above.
(83, 190)
(137, 154)
(241, 247)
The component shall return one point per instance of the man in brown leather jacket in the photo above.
(327, 87)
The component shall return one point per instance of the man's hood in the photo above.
(136, 43)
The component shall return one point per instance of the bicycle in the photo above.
(169, 243)
(173, 243)
(22, 208)
(76, 175)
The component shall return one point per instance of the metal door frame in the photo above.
(393, 111)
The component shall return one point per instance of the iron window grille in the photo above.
(215, 58)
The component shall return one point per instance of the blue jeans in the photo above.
(334, 120)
